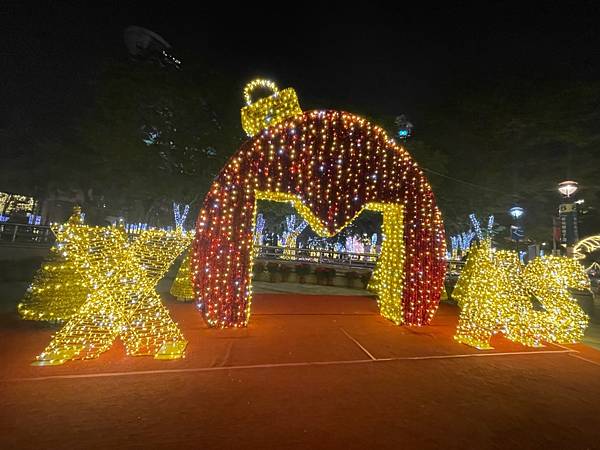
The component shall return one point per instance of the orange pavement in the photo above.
(309, 372)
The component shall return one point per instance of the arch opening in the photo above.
(388, 274)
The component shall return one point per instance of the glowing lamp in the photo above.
(516, 212)
(567, 188)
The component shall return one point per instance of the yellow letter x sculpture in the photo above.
(122, 300)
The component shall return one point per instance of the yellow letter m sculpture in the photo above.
(495, 293)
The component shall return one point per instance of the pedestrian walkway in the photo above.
(308, 372)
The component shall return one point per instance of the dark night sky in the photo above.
(386, 59)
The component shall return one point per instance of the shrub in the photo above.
(321, 274)
(350, 277)
(273, 269)
(365, 278)
(330, 274)
(285, 271)
(258, 268)
(302, 270)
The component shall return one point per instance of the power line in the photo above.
(462, 181)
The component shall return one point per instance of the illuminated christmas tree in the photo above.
(57, 290)
(182, 287)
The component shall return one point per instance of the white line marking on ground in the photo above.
(563, 347)
(585, 359)
(278, 365)
(359, 345)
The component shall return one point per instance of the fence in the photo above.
(17, 233)
(315, 255)
(39, 235)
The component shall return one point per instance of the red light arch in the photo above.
(331, 165)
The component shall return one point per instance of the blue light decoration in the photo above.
(135, 228)
(260, 223)
(258, 230)
(476, 226)
(373, 240)
(465, 240)
(490, 226)
(180, 216)
(4, 218)
(455, 243)
(292, 231)
(33, 219)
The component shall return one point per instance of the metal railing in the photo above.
(18, 233)
(324, 256)
(314, 255)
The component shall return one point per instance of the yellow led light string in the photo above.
(122, 300)
(58, 289)
(388, 276)
(182, 288)
(549, 280)
(268, 111)
(494, 293)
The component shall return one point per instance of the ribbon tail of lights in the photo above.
(58, 289)
(122, 300)
(331, 165)
(494, 294)
(585, 247)
(182, 287)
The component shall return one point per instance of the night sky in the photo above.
(387, 60)
(375, 61)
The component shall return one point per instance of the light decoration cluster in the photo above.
(461, 242)
(331, 165)
(388, 276)
(495, 290)
(585, 247)
(258, 232)
(180, 216)
(58, 289)
(121, 300)
(12, 203)
(290, 236)
(268, 111)
(354, 244)
(182, 287)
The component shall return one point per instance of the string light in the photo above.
(585, 247)
(58, 289)
(258, 233)
(182, 288)
(331, 165)
(180, 216)
(494, 294)
(121, 300)
(291, 235)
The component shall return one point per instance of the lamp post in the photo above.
(567, 213)
(516, 230)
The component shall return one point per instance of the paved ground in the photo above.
(309, 372)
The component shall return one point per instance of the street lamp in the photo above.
(567, 213)
(516, 231)
(516, 212)
(567, 188)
